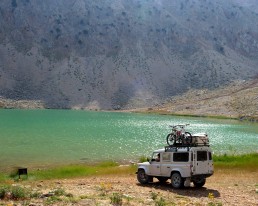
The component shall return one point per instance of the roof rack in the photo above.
(175, 147)
(197, 140)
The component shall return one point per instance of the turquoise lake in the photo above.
(42, 138)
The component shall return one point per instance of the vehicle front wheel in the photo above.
(199, 182)
(142, 177)
(177, 181)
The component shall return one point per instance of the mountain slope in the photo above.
(237, 100)
(123, 54)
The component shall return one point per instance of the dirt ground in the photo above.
(223, 188)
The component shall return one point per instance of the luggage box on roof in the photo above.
(200, 139)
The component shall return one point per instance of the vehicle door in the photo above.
(155, 164)
(166, 166)
(181, 163)
(200, 162)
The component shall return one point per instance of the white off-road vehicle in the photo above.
(182, 164)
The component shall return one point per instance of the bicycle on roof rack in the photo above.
(179, 136)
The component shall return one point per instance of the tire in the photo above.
(187, 138)
(199, 182)
(142, 177)
(171, 139)
(177, 181)
(162, 179)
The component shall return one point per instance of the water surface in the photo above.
(38, 138)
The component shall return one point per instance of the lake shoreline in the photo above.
(158, 111)
(39, 105)
(144, 111)
(243, 161)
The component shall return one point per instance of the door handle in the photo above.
(168, 167)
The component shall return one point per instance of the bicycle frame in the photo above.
(178, 134)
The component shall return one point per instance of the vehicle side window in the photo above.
(156, 157)
(181, 157)
(166, 157)
(210, 156)
(201, 155)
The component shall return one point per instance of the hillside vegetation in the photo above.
(122, 54)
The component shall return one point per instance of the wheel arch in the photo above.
(144, 169)
(182, 171)
(175, 171)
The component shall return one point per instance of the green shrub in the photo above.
(59, 192)
(154, 195)
(19, 193)
(15, 192)
(143, 159)
(35, 194)
(160, 202)
(53, 199)
(3, 191)
(116, 199)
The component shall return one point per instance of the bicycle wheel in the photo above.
(171, 139)
(187, 138)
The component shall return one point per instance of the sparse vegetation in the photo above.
(13, 192)
(143, 159)
(244, 161)
(116, 191)
(104, 189)
(154, 195)
(160, 202)
(59, 192)
(116, 199)
(80, 170)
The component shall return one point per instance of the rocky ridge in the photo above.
(238, 100)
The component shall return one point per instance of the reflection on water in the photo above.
(46, 137)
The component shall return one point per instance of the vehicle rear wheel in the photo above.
(142, 177)
(162, 179)
(199, 182)
(171, 139)
(177, 181)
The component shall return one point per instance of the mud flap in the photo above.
(187, 182)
